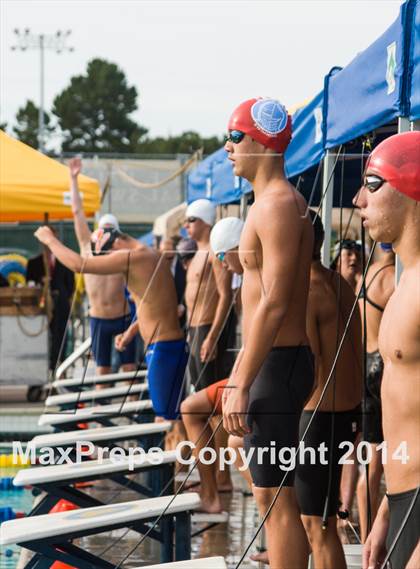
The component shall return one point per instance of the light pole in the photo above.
(55, 42)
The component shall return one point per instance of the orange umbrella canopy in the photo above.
(32, 185)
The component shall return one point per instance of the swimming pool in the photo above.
(19, 501)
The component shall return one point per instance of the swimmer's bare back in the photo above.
(399, 344)
(153, 288)
(201, 293)
(281, 205)
(325, 325)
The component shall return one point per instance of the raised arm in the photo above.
(112, 263)
(224, 288)
(81, 226)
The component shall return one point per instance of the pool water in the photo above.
(19, 501)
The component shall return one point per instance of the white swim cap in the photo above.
(109, 220)
(203, 209)
(226, 234)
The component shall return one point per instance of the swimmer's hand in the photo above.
(374, 550)
(121, 341)
(235, 406)
(208, 349)
(45, 235)
(75, 167)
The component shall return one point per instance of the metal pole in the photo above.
(41, 96)
(327, 205)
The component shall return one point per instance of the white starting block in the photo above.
(78, 353)
(98, 414)
(100, 435)
(50, 536)
(95, 395)
(204, 563)
(90, 380)
(57, 481)
(353, 554)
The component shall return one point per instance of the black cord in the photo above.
(324, 390)
(401, 529)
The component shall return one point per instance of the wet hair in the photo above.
(319, 233)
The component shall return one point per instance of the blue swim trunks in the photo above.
(103, 332)
(166, 363)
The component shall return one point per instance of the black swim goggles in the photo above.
(372, 182)
(235, 136)
(108, 236)
(350, 244)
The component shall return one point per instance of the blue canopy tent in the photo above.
(380, 85)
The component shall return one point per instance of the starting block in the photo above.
(50, 536)
(204, 563)
(101, 414)
(57, 480)
(75, 383)
(69, 399)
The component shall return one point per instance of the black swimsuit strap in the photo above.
(369, 300)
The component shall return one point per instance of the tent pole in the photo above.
(327, 205)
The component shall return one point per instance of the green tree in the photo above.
(26, 128)
(94, 111)
(186, 143)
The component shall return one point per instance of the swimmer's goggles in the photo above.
(349, 244)
(221, 256)
(235, 136)
(103, 239)
(373, 183)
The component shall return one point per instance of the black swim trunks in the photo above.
(373, 408)
(203, 374)
(312, 476)
(399, 505)
(276, 400)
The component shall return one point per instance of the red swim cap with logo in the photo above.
(264, 120)
(397, 160)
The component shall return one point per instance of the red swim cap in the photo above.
(397, 160)
(264, 120)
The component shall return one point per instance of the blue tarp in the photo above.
(306, 147)
(214, 179)
(380, 84)
(367, 92)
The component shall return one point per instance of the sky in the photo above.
(191, 61)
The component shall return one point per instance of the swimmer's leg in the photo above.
(326, 546)
(224, 482)
(286, 537)
(195, 411)
(235, 443)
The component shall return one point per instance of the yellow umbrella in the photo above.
(33, 185)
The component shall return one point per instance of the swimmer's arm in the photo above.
(113, 263)
(224, 288)
(81, 226)
(277, 226)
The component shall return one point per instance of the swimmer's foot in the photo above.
(210, 505)
(192, 487)
(261, 557)
(225, 488)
